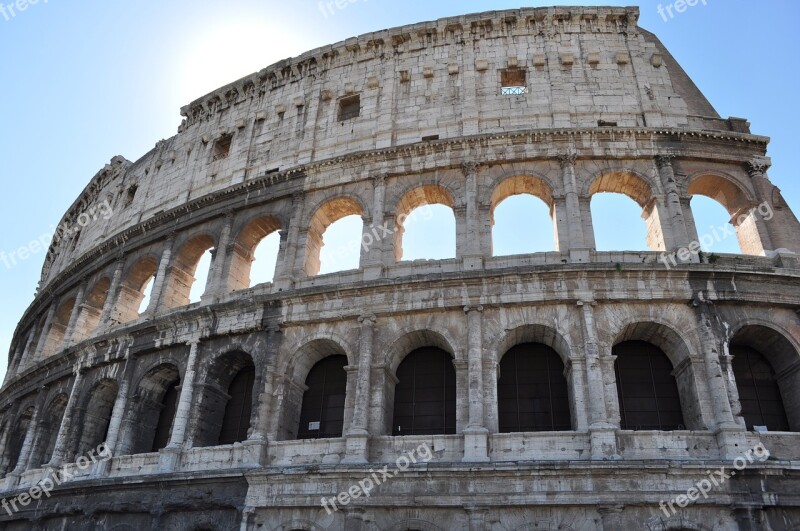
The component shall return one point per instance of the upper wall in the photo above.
(584, 68)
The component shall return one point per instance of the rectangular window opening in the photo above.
(222, 148)
(349, 108)
(513, 82)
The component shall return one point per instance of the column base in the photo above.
(168, 459)
(476, 445)
(357, 448)
(254, 452)
(732, 442)
(604, 444)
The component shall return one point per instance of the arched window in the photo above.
(236, 421)
(759, 393)
(134, 292)
(708, 193)
(45, 442)
(623, 216)
(342, 244)
(648, 393)
(255, 254)
(425, 395)
(425, 225)
(169, 405)
(532, 392)
(188, 274)
(322, 413)
(94, 424)
(522, 217)
(16, 439)
(58, 328)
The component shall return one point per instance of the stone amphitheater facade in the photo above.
(559, 103)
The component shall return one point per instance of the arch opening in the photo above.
(532, 392)
(188, 275)
(425, 394)
(522, 217)
(45, 441)
(342, 246)
(152, 411)
(58, 328)
(92, 307)
(96, 416)
(425, 225)
(617, 199)
(255, 254)
(134, 291)
(322, 411)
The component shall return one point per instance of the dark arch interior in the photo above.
(169, 404)
(236, 420)
(759, 393)
(532, 392)
(425, 395)
(322, 413)
(648, 393)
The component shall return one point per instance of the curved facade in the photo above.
(572, 389)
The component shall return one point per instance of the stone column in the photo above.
(575, 242)
(121, 402)
(264, 415)
(471, 244)
(111, 296)
(476, 436)
(574, 372)
(358, 435)
(603, 432)
(611, 517)
(160, 283)
(376, 236)
(287, 268)
(170, 454)
(73, 318)
(65, 428)
(217, 283)
(43, 335)
(679, 237)
(12, 422)
(27, 353)
(725, 362)
(30, 435)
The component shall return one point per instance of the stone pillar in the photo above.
(73, 318)
(12, 423)
(611, 517)
(287, 269)
(170, 454)
(264, 415)
(476, 436)
(30, 435)
(376, 235)
(65, 429)
(111, 296)
(27, 354)
(471, 244)
(574, 372)
(358, 434)
(217, 283)
(121, 402)
(782, 231)
(575, 242)
(160, 283)
(354, 519)
(679, 237)
(45, 331)
(476, 516)
(603, 432)
(725, 362)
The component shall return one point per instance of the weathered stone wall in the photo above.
(85, 366)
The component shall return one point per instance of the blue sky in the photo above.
(83, 81)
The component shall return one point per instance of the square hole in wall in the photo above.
(349, 107)
(513, 82)
(222, 148)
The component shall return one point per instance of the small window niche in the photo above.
(222, 148)
(349, 108)
(513, 82)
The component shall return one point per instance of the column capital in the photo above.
(474, 308)
(757, 167)
(379, 179)
(298, 197)
(664, 160)
(566, 159)
(367, 319)
(469, 167)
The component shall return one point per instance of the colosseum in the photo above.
(658, 390)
